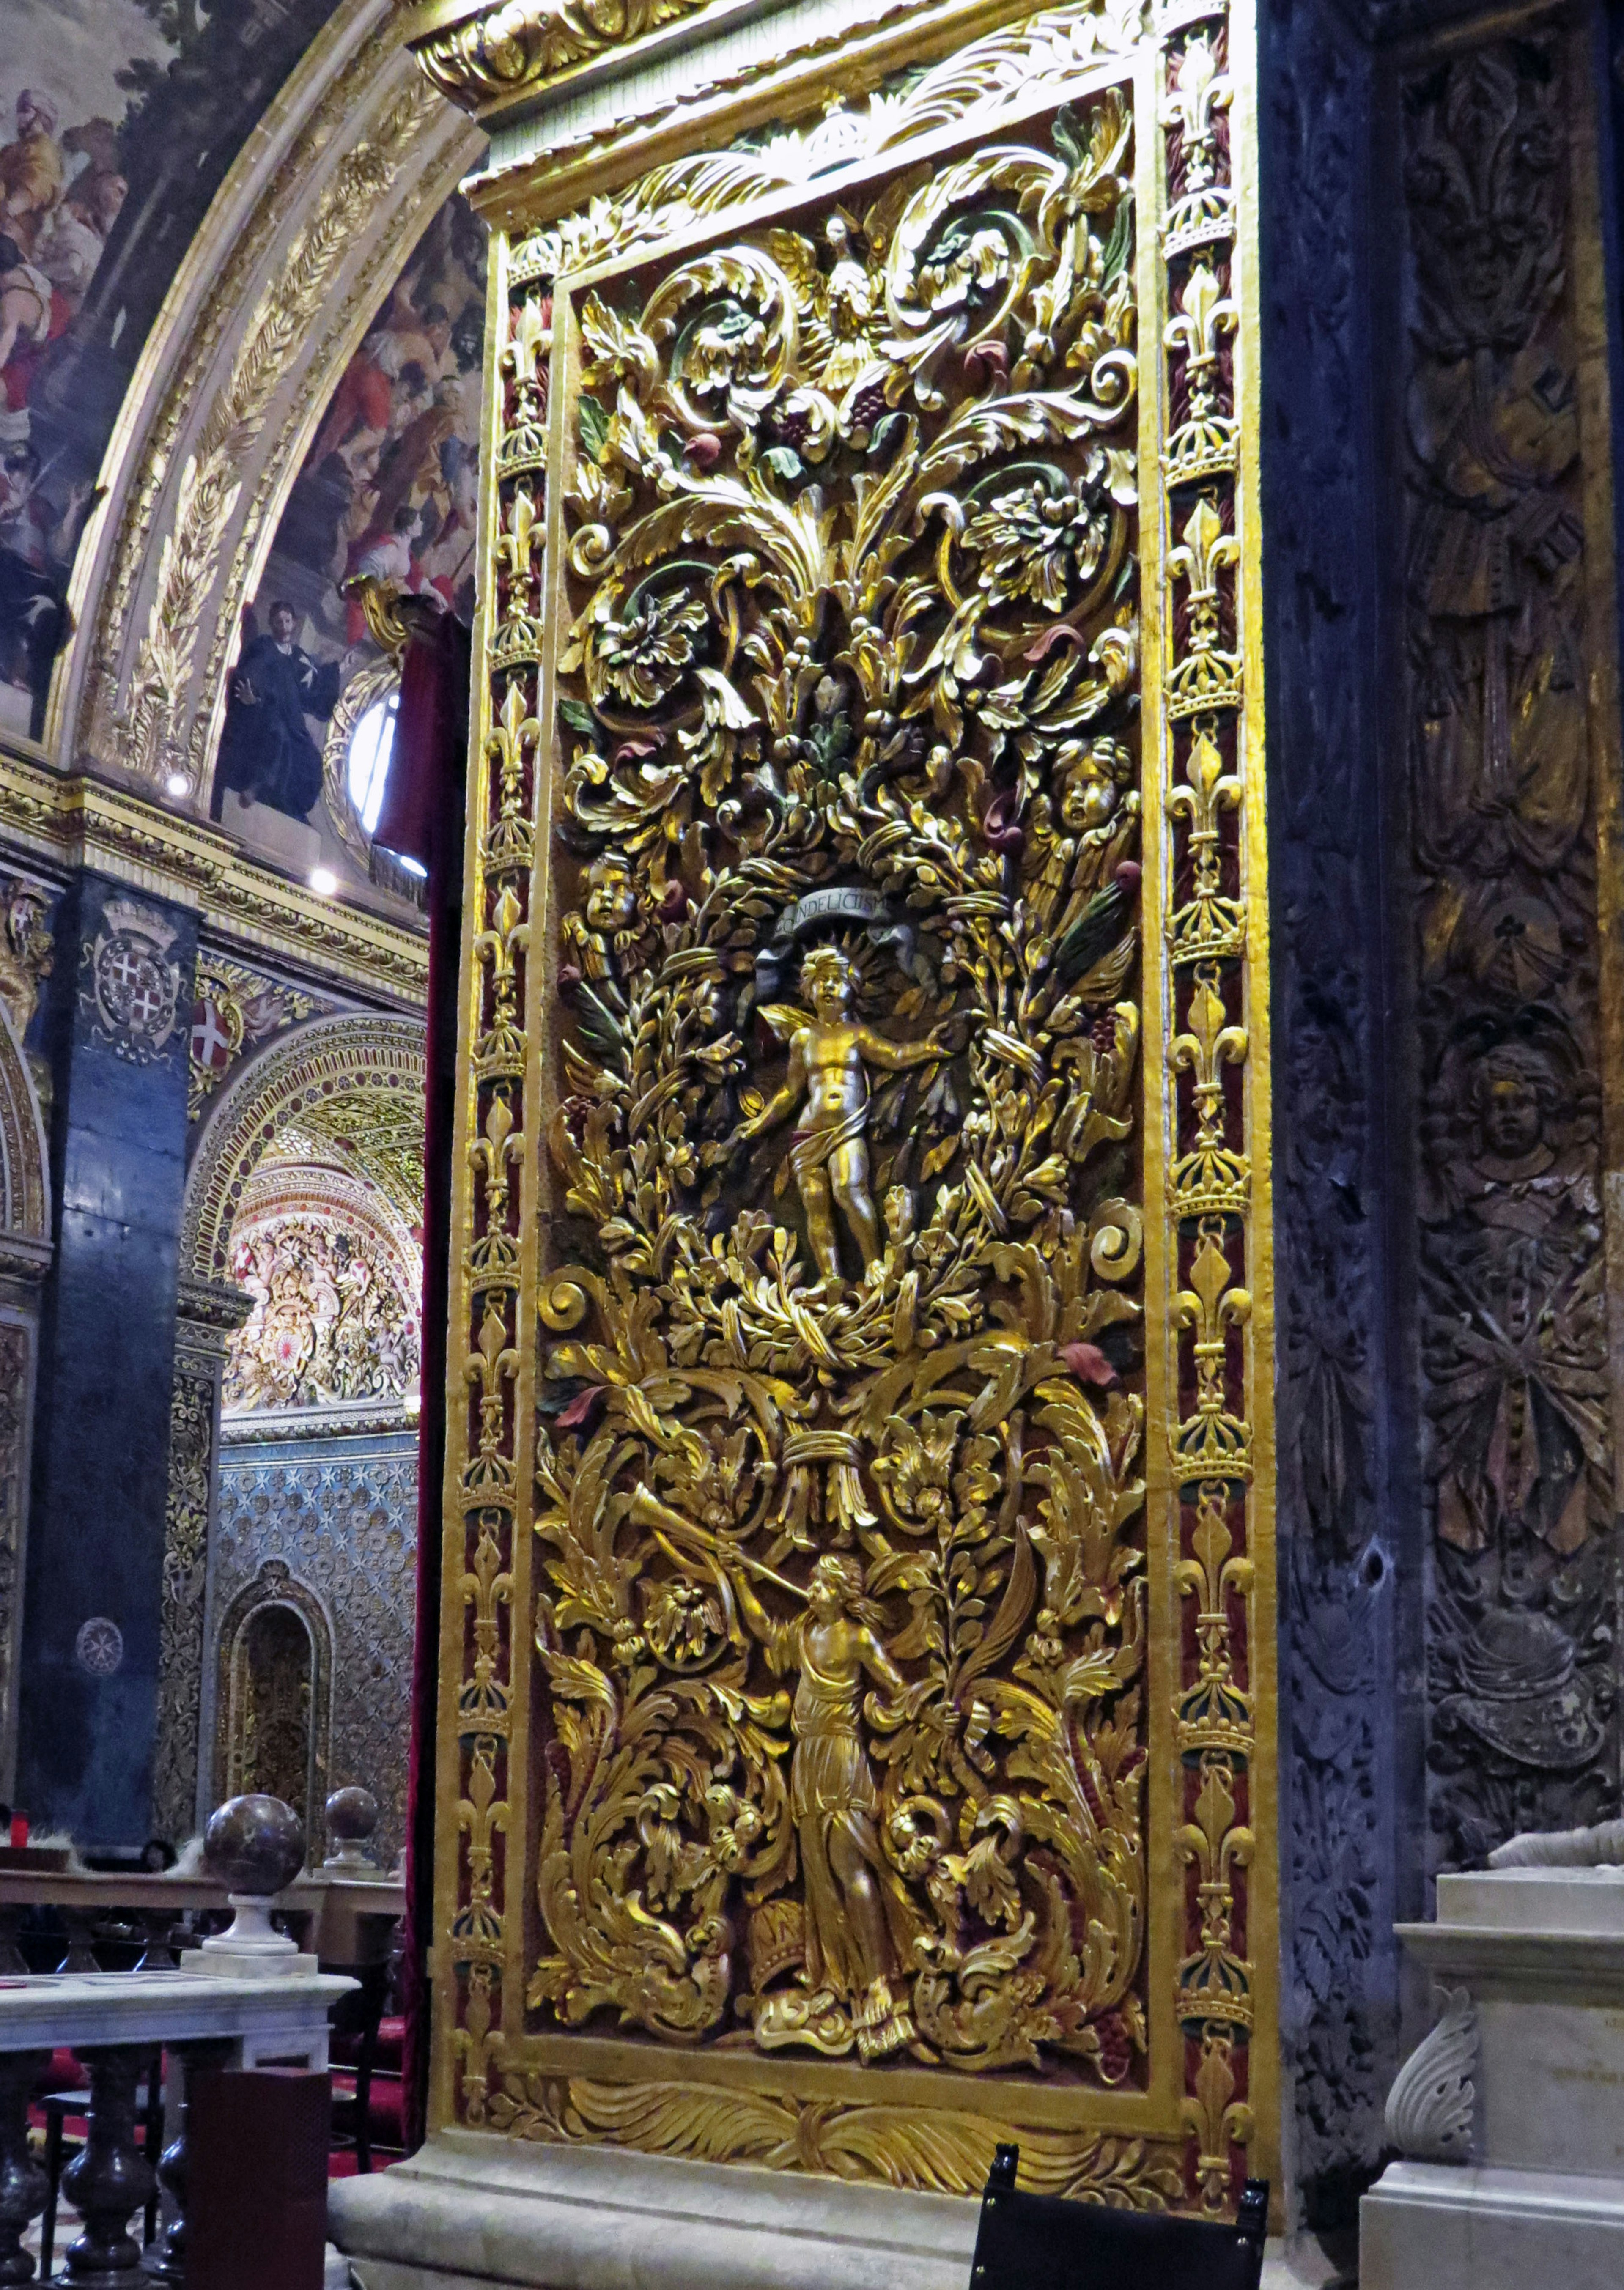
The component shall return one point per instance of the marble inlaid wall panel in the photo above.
(341, 1515)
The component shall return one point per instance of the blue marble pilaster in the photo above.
(122, 997)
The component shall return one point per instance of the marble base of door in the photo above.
(1442, 2226)
(473, 2212)
(470, 2211)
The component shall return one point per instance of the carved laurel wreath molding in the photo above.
(211, 484)
(222, 307)
(837, 1044)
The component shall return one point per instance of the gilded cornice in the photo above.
(496, 60)
(1051, 47)
(585, 157)
(86, 823)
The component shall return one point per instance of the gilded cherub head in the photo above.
(611, 902)
(826, 981)
(1092, 784)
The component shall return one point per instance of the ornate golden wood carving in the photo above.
(490, 58)
(863, 1257)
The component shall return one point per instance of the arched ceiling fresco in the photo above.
(232, 271)
(119, 120)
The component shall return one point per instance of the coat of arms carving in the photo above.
(132, 991)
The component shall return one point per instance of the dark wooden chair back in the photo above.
(1043, 2242)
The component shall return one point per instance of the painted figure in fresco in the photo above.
(830, 1053)
(860, 1926)
(31, 171)
(267, 754)
(36, 543)
(25, 301)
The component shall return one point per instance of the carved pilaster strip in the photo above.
(209, 1312)
(1510, 746)
(493, 1252)
(1217, 1014)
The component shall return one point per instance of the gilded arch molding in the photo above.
(25, 1177)
(369, 1071)
(332, 197)
(24, 1252)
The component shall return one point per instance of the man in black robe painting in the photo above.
(267, 754)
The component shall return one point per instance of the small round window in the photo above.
(372, 748)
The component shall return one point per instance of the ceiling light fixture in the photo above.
(177, 784)
(323, 881)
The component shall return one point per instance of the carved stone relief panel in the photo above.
(1515, 1037)
(1340, 1557)
(864, 1584)
(192, 1414)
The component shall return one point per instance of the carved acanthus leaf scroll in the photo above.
(931, 2153)
(502, 55)
(852, 1053)
(802, 1594)
(1431, 2109)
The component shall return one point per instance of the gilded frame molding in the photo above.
(248, 907)
(1209, 1272)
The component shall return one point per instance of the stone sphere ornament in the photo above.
(352, 1816)
(255, 1846)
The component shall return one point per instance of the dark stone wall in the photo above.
(88, 1693)
(1347, 1783)
(1449, 1642)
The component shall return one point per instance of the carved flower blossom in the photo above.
(641, 658)
(726, 354)
(1037, 544)
(968, 260)
(917, 1464)
(683, 1620)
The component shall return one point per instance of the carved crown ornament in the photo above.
(859, 1596)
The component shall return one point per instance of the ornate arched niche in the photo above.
(319, 1139)
(274, 1697)
(356, 1079)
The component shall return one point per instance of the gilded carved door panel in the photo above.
(856, 1644)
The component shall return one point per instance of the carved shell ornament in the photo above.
(842, 1608)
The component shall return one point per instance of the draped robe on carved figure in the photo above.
(858, 1930)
